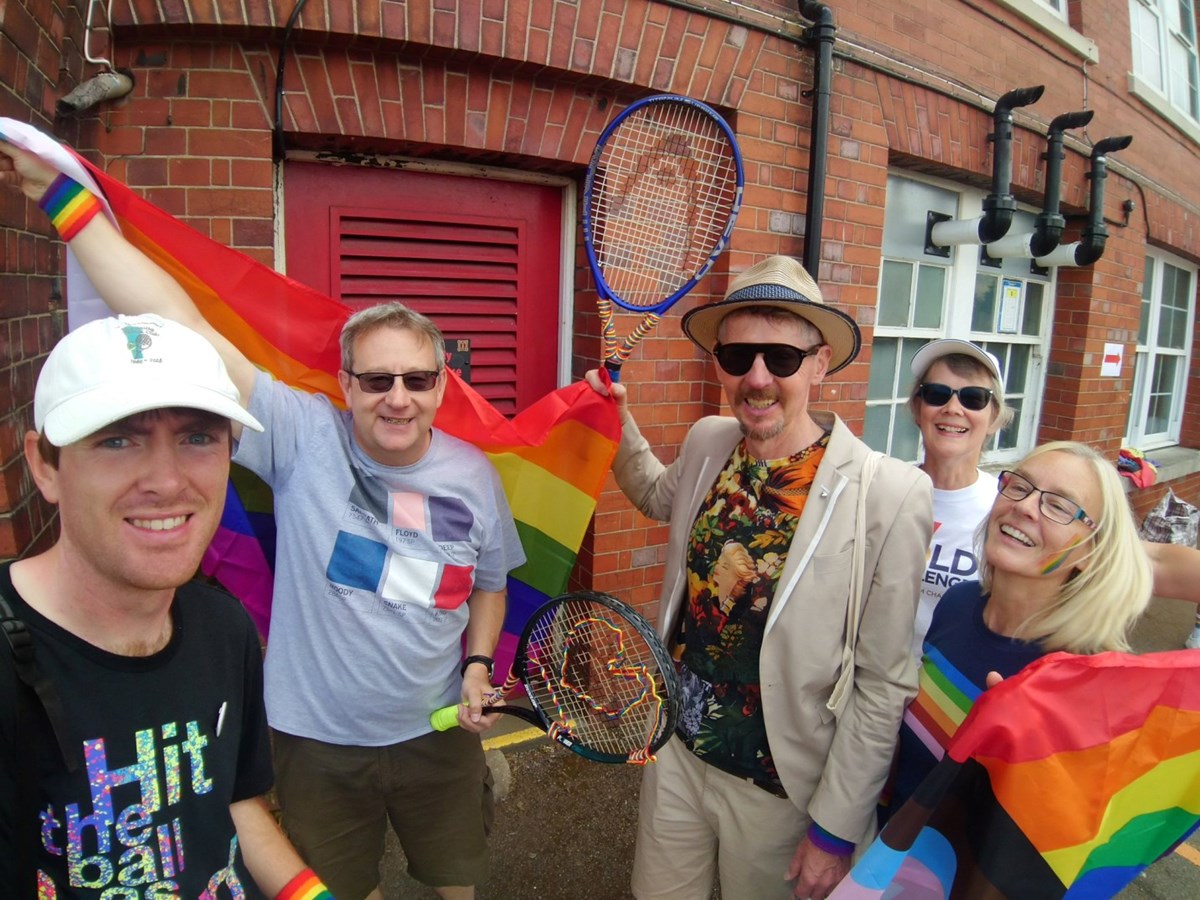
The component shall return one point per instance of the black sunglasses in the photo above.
(781, 360)
(381, 382)
(971, 397)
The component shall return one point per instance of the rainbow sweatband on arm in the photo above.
(69, 205)
(305, 886)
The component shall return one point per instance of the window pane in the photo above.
(1147, 294)
(1139, 374)
(1009, 436)
(908, 350)
(905, 437)
(895, 293)
(983, 317)
(1017, 373)
(1172, 323)
(1158, 415)
(931, 293)
(1147, 46)
(1035, 291)
(882, 381)
(876, 426)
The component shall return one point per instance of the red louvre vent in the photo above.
(478, 257)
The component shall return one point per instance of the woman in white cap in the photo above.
(957, 402)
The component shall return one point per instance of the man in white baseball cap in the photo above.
(132, 731)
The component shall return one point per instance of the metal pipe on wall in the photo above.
(822, 35)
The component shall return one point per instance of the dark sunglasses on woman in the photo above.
(781, 360)
(381, 382)
(971, 397)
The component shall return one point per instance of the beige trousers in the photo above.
(695, 821)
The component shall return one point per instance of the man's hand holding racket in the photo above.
(477, 692)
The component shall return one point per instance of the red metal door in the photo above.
(480, 257)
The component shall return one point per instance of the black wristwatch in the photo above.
(484, 660)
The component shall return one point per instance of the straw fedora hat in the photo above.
(779, 282)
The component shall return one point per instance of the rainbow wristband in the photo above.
(69, 205)
(305, 886)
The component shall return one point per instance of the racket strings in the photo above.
(597, 679)
(665, 186)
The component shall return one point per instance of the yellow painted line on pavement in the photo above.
(500, 741)
(1190, 853)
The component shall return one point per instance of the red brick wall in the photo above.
(530, 85)
(40, 59)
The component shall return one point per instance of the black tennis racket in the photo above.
(663, 190)
(599, 680)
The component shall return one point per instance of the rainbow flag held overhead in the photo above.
(552, 457)
(1066, 780)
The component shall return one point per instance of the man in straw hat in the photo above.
(793, 695)
(133, 740)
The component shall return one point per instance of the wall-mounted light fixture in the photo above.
(110, 84)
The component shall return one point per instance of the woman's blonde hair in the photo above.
(1096, 605)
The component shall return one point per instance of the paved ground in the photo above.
(565, 831)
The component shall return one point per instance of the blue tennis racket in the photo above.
(662, 193)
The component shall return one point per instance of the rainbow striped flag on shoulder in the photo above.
(1066, 780)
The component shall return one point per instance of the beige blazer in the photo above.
(833, 767)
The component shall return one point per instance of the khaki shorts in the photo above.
(434, 789)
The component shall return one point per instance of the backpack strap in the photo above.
(31, 674)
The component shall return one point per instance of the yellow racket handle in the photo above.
(445, 718)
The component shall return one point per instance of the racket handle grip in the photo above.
(444, 719)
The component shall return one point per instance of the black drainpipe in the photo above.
(1095, 235)
(821, 35)
(1048, 228)
(277, 146)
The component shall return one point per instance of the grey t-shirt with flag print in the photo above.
(373, 567)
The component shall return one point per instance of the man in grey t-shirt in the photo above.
(395, 542)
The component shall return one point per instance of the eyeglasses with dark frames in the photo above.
(1054, 507)
(381, 382)
(781, 360)
(972, 397)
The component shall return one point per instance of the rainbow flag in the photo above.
(1066, 780)
(552, 457)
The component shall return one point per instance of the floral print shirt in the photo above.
(738, 547)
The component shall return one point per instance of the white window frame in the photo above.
(1149, 353)
(963, 267)
(1166, 58)
(1050, 17)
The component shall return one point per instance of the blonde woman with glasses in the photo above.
(1061, 568)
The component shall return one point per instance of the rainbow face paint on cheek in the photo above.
(1054, 561)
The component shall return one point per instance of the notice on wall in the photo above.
(1010, 306)
(1110, 366)
(458, 357)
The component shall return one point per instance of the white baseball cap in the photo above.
(935, 350)
(112, 368)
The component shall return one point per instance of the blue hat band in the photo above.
(767, 292)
